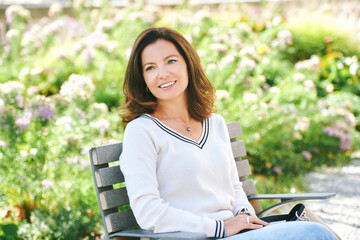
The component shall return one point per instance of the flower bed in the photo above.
(295, 91)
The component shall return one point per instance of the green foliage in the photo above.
(295, 88)
(8, 231)
(318, 39)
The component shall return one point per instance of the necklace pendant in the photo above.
(188, 128)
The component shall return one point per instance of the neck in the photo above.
(170, 110)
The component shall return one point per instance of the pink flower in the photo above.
(307, 155)
(24, 121)
(331, 131)
(345, 142)
(47, 183)
(278, 170)
(45, 111)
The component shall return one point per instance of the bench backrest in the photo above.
(111, 190)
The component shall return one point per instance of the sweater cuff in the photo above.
(220, 231)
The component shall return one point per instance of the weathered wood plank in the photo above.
(238, 149)
(106, 154)
(119, 221)
(234, 129)
(113, 198)
(249, 187)
(243, 168)
(108, 176)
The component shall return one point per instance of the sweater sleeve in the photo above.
(138, 163)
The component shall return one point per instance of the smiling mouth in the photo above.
(167, 84)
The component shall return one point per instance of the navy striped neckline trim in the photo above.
(200, 144)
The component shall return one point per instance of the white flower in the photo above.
(77, 87)
(274, 90)
(222, 94)
(218, 47)
(247, 63)
(66, 122)
(227, 60)
(33, 151)
(3, 144)
(309, 85)
(312, 63)
(201, 14)
(32, 90)
(299, 77)
(96, 39)
(101, 107)
(104, 25)
(354, 68)
(250, 97)
(36, 71)
(302, 124)
(286, 36)
(55, 9)
(12, 92)
(277, 20)
(248, 50)
(12, 33)
(102, 125)
(14, 11)
(24, 153)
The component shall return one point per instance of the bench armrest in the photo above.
(162, 236)
(286, 198)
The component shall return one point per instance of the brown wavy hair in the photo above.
(200, 91)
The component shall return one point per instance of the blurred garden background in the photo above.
(288, 70)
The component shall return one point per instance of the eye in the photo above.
(149, 68)
(172, 61)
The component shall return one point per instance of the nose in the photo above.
(163, 73)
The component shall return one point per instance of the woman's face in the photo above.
(164, 70)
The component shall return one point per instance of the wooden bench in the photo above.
(117, 216)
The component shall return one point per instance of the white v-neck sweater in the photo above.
(177, 184)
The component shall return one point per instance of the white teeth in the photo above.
(167, 85)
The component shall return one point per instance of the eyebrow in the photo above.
(170, 56)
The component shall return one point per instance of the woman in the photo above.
(177, 160)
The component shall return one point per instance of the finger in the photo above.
(258, 221)
(254, 226)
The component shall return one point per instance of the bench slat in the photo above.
(120, 220)
(238, 149)
(243, 168)
(234, 129)
(108, 176)
(249, 187)
(113, 198)
(107, 153)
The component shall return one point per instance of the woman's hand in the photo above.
(241, 222)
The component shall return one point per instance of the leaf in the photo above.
(10, 229)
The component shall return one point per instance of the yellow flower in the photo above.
(263, 48)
